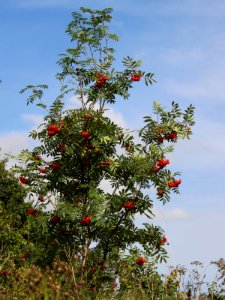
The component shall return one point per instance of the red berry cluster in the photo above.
(85, 134)
(85, 221)
(25, 256)
(42, 170)
(88, 116)
(162, 163)
(105, 163)
(5, 273)
(55, 219)
(136, 77)
(128, 205)
(156, 169)
(140, 261)
(32, 212)
(169, 137)
(101, 79)
(23, 180)
(55, 166)
(52, 130)
(163, 240)
(174, 183)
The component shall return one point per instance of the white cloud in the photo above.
(34, 119)
(203, 88)
(72, 103)
(163, 215)
(14, 141)
(201, 232)
(203, 67)
(115, 116)
(205, 150)
(171, 215)
(106, 186)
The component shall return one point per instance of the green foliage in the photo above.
(12, 213)
(11, 192)
(68, 214)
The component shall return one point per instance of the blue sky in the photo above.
(183, 43)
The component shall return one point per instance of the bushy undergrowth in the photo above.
(131, 281)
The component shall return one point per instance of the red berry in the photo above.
(52, 129)
(25, 256)
(42, 170)
(23, 180)
(163, 240)
(99, 83)
(171, 136)
(51, 133)
(86, 221)
(140, 261)
(156, 169)
(163, 162)
(128, 205)
(136, 77)
(88, 116)
(160, 138)
(5, 273)
(102, 77)
(105, 163)
(32, 212)
(174, 183)
(55, 219)
(85, 134)
(55, 165)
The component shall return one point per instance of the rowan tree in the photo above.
(70, 215)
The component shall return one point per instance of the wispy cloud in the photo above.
(162, 215)
(171, 215)
(205, 150)
(34, 119)
(206, 87)
(14, 141)
(115, 116)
